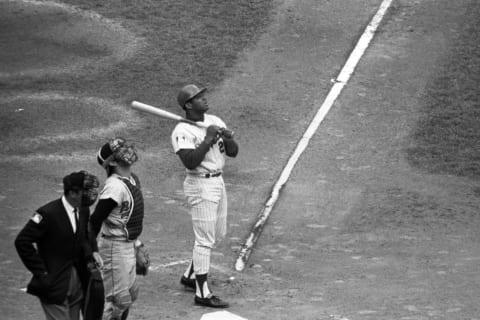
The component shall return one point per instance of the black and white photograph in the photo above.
(240, 159)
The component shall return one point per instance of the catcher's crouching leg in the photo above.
(122, 302)
(134, 289)
(119, 278)
(134, 294)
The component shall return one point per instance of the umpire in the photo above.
(54, 246)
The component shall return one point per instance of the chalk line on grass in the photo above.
(335, 91)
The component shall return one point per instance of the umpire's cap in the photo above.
(81, 180)
(187, 93)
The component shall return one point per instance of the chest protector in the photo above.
(134, 223)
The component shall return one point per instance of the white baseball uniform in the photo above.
(204, 190)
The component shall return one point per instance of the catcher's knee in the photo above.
(124, 300)
(134, 291)
(124, 303)
(114, 308)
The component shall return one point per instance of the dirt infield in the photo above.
(373, 224)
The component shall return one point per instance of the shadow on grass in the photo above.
(447, 138)
(187, 41)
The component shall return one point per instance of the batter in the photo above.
(203, 152)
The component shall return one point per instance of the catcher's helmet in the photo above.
(188, 93)
(117, 150)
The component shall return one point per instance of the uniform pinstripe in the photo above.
(208, 201)
(203, 150)
(206, 197)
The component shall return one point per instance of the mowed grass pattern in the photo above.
(182, 42)
(447, 138)
(186, 41)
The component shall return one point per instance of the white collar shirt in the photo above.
(70, 213)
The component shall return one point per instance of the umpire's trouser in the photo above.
(71, 307)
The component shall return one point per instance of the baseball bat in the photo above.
(172, 116)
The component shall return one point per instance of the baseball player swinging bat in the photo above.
(172, 116)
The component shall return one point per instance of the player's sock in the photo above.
(189, 272)
(202, 289)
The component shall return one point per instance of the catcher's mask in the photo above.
(117, 152)
(84, 181)
(187, 93)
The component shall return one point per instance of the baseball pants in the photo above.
(119, 276)
(207, 199)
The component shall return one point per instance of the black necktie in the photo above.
(75, 213)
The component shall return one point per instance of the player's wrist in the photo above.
(209, 141)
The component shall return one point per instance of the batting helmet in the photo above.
(188, 93)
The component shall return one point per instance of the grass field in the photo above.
(188, 41)
(447, 137)
(359, 233)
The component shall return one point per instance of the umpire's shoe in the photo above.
(188, 283)
(211, 301)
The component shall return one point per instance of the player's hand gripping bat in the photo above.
(172, 116)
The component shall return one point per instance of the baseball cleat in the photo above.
(188, 283)
(212, 301)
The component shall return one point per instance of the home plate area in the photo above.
(221, 315)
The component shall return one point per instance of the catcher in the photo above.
(118, 221)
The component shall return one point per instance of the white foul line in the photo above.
(170, 264)
(340, 82)
(175, 263)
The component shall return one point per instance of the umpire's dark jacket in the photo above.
(58, 249)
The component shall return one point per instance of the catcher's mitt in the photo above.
(142, 258)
